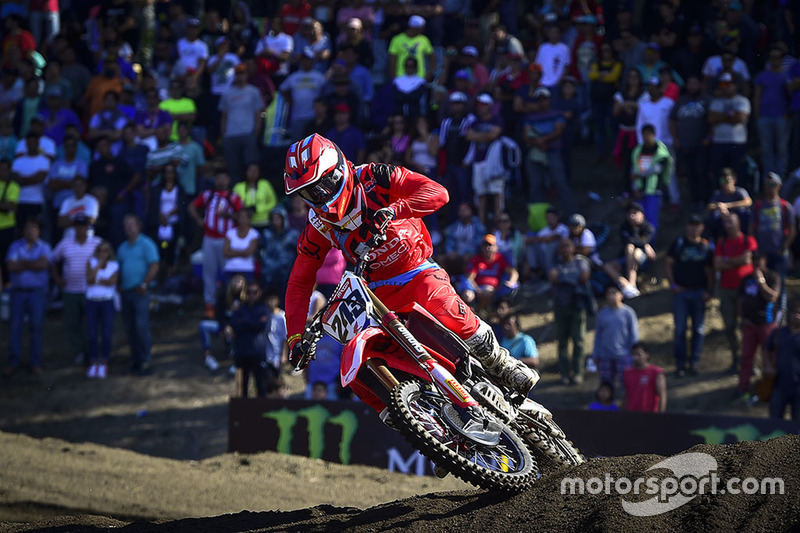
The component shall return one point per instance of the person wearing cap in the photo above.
(412, 42)
(354, 36)
(68, 268)
(542, 133)
(728, 198)
(193, 51)
(28, 262)
(652, 64)
(276, 47)
(347, 137)
(554, 57)
(300, 88)
(636, 234)
(454, 143)
(469, 59)
(690, 272)
(240, 109)
(9, 195)
(488, 182)
(541, 248)
(221, 68)
(651, 173)
(773, 224)
(570, 279)
(728, 115)
(489, 276)
(79, 202)
(770, 109)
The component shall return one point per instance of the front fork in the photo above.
(446, 381)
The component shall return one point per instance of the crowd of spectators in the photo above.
(118, 119)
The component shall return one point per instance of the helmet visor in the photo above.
(324, 190)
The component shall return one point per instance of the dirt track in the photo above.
(90, 488)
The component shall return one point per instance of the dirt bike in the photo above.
(425, 383)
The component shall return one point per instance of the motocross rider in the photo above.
(349, 205)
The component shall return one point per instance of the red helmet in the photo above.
(317, 170)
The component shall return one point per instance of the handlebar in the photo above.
(376, 240)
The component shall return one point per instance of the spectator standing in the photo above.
(689, 267)
(519, 345)
(229, 299)
(412, 43)
(654, 110)
(192, 51)
(626, 107)
(793, 87)
(221, 73)
(783, 348)
(279, 249)
(541, 248)
(462, 239)
(219, 207)
(728, 115)
(276, 349)
(9, 194)
(109, 121)
(72, 253)
(274, 50)
(645, 383)
(688, 124)
(114, 175)
(584, 240)
(604, 76)
(542, 132)
(774, 228)
(554, 57)
(102, 274)
(408, 90)
(56, 117)
(728, 198)
(138, 267)
(179, 107)
(770, 108)
(248, 323)
(568, 277)
(758, 298)
(487, 183)
(30, 171)
(616, 331)
(239, 247)
(510, 241)
(166, 152)
(28, 262)
(240, 106)
(300, 89)
(733, 259)
(62, 173)
(165, 221)
(257, 194)
(192, 162)
(47, 146)
(454, 143)
(149, 120)
(651, 171)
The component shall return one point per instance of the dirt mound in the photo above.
(543, 508)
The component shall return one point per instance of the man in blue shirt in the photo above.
(346, 136)
(138, 265)
(520, 345)
(28, 262)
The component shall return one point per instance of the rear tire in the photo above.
(548, 443)
(507, 466)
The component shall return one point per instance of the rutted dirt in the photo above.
(88, 487)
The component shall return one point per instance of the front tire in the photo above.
(416, 410)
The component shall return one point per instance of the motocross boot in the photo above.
(499, 363)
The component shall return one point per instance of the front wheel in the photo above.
(547, 440)
(418, 412)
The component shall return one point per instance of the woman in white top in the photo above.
(102, 271)
(240, 247)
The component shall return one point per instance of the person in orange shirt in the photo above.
(108, 80)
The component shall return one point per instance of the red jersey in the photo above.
(24, 40)
(640, 388)
(488, 272)
(219, 208)
(408, 244)
(292, 17)
(727, 247)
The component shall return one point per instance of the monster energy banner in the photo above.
(351, 432)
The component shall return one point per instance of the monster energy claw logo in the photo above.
(316, 418)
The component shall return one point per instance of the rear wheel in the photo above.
(417, 409)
